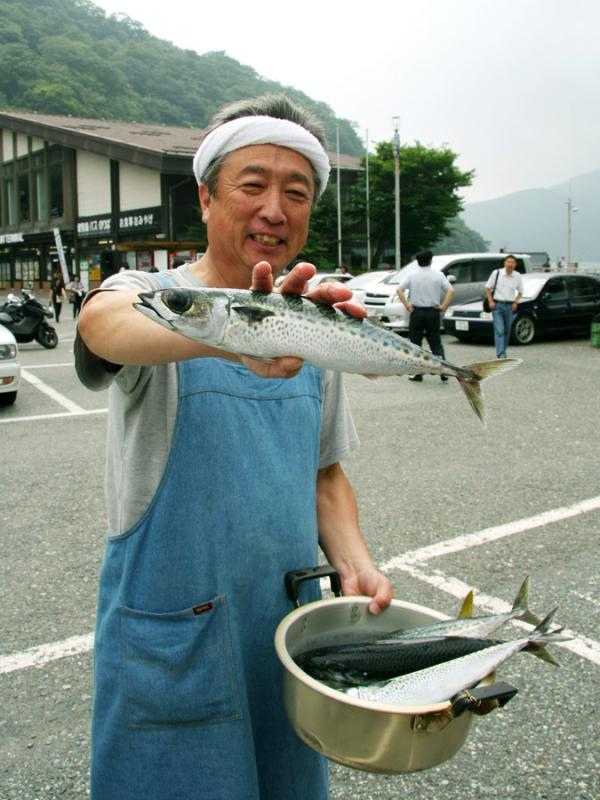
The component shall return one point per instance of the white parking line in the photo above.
(35, 417)
(466, 541)
(45, 653)
(50, 392)
(581, 645)
(50, 366)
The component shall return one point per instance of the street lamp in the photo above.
(570, 210)
(368, 199)
(396, 146)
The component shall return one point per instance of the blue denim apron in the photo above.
(187, 695)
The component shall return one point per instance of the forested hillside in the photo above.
(69, 57)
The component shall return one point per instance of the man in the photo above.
(77, 290)
(426, 304)
(504, 289)
(221, 477)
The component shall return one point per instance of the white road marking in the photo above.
(464, 542)
(45, 653)
(50, 392)
(34, 417)
(50, 366)
(581, 645)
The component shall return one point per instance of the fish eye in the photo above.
(178, 300)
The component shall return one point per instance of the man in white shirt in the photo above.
(504, 289)
(426, 305)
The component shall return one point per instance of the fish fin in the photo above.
(479, 372)
(252, 314)
(539, 651)
(466, 609)
(521, 601)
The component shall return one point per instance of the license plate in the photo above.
(461, 325)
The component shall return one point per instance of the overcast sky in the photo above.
(513, 87)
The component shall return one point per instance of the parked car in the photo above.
(361, 283)
(10, 368)
(467, 272)
(553, 303)
(319, 277)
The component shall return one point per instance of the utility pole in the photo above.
(368, 200)
(339, 198)
(570, 211)
(397, 188)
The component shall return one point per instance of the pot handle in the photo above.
(298, 576)
(482, 699)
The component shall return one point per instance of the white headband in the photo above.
(246, 131)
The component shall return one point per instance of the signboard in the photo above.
(61, 255)
(141, 219)
(11, 238)
(94, 226)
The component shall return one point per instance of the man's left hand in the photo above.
(373, 584)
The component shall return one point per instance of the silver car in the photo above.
(466, 272)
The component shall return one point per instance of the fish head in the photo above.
(194, 313)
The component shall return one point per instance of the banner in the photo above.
(61, 255)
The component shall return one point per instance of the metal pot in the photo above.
(360, 733)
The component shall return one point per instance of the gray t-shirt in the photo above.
(426, 286)
(143, 407)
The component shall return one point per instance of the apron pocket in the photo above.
(179, 667)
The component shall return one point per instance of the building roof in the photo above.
(163, 147)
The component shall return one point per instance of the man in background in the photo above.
(504, 289)
(430, 295)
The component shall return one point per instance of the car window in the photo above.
(555, 290)
(483, 268)
(461, 271)
(581, 288)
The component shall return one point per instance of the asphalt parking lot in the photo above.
(445, 505)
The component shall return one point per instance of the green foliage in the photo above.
(460, 239)
(68, 57)
(429, 184)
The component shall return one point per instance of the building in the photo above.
(91, 196)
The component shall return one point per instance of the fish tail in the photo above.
(472, 375)
(466, 609)
(542, 633)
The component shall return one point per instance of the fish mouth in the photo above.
(266, 239)
(146, 306)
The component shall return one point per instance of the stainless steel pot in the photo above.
(360, 733)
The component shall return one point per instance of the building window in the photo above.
(55, 179)
(24, 206)
(8, 201)
(41, 204)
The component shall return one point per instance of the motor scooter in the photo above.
(25, 317)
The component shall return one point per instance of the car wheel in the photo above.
(7, 398)
(523, 330)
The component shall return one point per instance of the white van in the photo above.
(467, 272)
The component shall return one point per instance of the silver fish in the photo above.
(441, 682)
(270, 325)
(475, 627)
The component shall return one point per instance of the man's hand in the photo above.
(296, 282)
(373, 584)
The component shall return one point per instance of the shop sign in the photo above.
(136, 220)
(93, 226)
(11, 238)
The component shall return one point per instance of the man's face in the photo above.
(260, 211)
(510, 265)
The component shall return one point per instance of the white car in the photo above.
(467, 272)
(10, 368)
(361, 283)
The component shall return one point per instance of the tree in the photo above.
(429, 199)
(461, 239)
